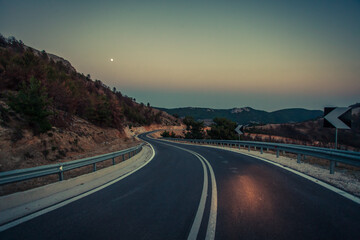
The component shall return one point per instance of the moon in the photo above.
(111, 59)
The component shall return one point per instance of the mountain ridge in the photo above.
(247, 115)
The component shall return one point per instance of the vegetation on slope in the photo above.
(223, 129)
(61, 92)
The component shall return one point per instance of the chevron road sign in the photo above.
(239, 129)
(339, 117)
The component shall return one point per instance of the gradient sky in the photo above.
(221, 54)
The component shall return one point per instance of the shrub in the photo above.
(165, 134)
(194, 128)
(32, 102)
(223, 128)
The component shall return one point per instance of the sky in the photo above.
(268, 55)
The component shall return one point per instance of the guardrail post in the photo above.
(277, 153)
(261, 150)
(113, 161)
(255, 148)
(298, 158)
(61, 173)
(123, 157)
(332, 167)
(239, 146)
(249, 148)
(94, 167)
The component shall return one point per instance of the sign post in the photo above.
(338, 118)
(240, 130)
(336, 137)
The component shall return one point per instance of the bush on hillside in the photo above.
(166, 134)
(194, 129)
(223, 128)
(32, 103)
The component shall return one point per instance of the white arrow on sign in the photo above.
(239, 129)
(333, 117)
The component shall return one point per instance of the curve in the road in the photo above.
(262, 201)
(308, 177)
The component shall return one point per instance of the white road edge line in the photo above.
(201, 208)
(210, 232)
(317, 181)
(61, 204)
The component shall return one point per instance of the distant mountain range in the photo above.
(247, 115)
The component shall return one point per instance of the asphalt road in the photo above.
(176, 196)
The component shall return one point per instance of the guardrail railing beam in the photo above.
(334, 156)
(29, 173)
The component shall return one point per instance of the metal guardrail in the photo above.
(333, 155)
(60, 168)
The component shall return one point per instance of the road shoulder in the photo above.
(17, 205)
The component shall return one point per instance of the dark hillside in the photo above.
(50, 113)
(70, 93)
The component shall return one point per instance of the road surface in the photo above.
(195, 192)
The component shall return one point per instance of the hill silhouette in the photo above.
(247, 115)
(70, 93)
(51, 113)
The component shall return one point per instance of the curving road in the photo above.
(189, 192)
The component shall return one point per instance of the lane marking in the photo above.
(63, 203)
(211, 226)
(210, 232)
(201, 208)
(317, 181)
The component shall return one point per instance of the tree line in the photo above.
(222, 128)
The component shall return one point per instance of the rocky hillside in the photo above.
(69, 91)
(49, 112)
(247, 115)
